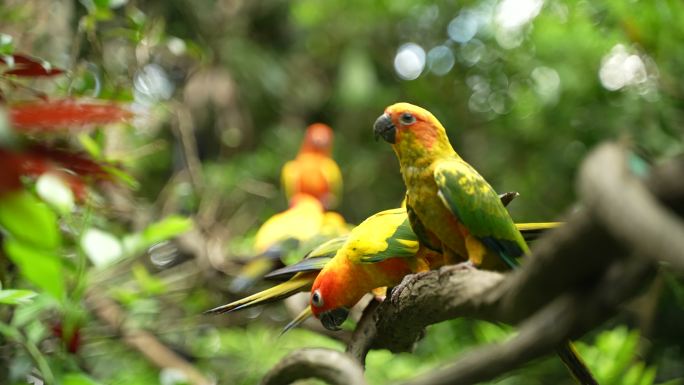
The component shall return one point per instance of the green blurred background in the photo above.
(225, 89)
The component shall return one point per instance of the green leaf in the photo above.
(16, 297)
(6, 44)
(78, 379)
(148, 283)
(165, 229)
(28, 219)
(90, 145)
(122, 176)
(42, 268)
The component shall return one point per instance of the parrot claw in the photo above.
(407, 281)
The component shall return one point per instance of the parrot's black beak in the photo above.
(384, 128)
(333, 319)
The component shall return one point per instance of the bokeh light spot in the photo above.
(546, 84)
(463, 27)
(440, 60)
(619, 68)
(409, 61)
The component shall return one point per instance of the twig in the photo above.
(186, 137)
(146, 343)
(334, 367)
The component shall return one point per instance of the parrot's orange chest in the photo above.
(312, 181)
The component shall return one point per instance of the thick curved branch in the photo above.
(334, 367)
(637, 215)
(546, 329)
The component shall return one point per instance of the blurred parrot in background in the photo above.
(313, 171)
(451, 207)
(304, 223)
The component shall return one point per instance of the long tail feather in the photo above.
(575, 364)
(300, 282)
(532, 231)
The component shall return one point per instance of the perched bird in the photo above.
(313, 171)
(303, 223)
(451, 206)
(379, 252)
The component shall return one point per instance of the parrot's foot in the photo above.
(407, 281)
(467, 265)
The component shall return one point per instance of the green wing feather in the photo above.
(314, 260)
(386, 234)
(477, 206)
(421, 232)
(402, 243)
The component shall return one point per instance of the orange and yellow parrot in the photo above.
(313, 171)
(451, 206)
(378, 253)
(304, 222)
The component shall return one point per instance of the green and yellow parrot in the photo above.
(451, 206)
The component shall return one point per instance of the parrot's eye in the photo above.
(407, 118)
(317, 298)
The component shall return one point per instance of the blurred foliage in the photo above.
(524, 88)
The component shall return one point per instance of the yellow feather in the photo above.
(537, 226)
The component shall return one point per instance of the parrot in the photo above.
(451, 207)
(313, 171)
(378, 253)
(303, 222)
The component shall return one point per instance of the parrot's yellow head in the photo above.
(318, 138)
(413, 131)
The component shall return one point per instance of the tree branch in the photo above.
(331, 366)
(146, 343)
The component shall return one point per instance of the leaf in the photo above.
(60, 114)
(16, 297)
(29, 220)
(27, 66)
(78, 379)
(10, 172)
(42, 268)
(165, 229)
(79, 163)
(148, 283)
(90, 145)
